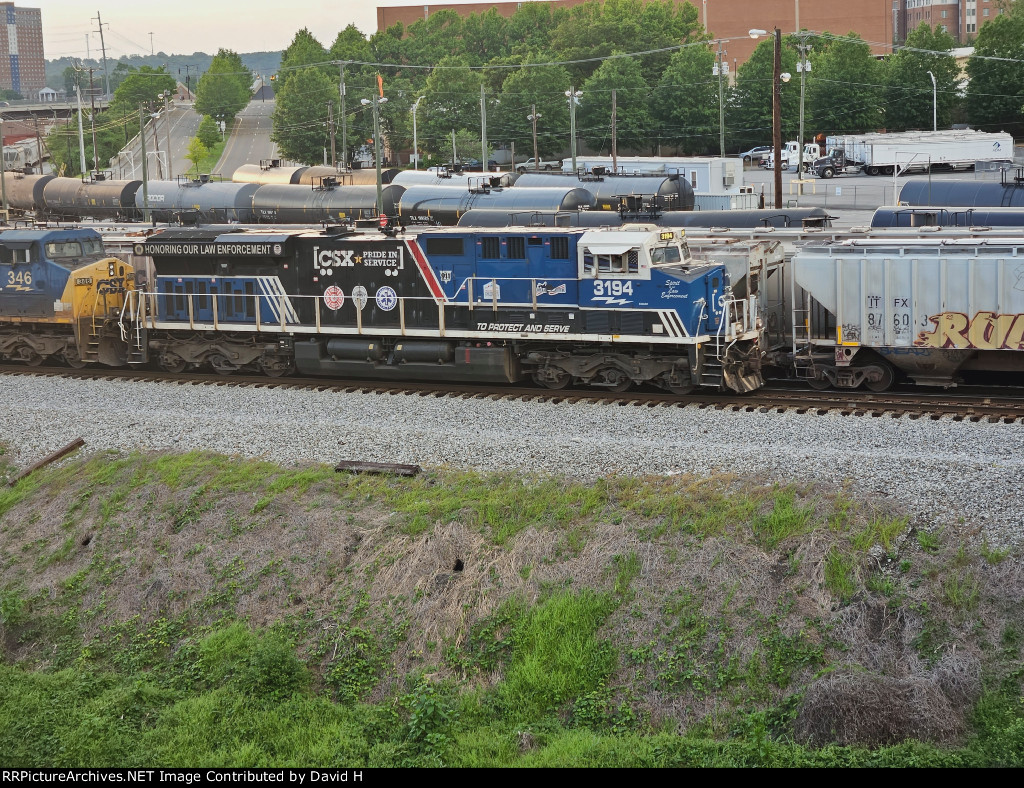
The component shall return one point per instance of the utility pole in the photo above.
(167, 130)
(615, 145)
(103, 49)
(188, 82)
(151, 52)
(145, 168)
(92, 120)
(39, 142)
(777, 115)
(156, 149)
(415, 139)
(3, 168)
(573, 95)
(344, 119)
(483, 129)
(81, 137)
(803, 66)
(720, 69)
(330, 125)
(532, 117)
(375, 103)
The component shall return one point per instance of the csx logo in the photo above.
(332, 257)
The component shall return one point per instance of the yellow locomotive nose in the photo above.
(93, 301)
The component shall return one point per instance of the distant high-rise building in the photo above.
(22, 65)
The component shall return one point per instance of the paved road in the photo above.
(250, 138)
(852, 199)
(181, 122)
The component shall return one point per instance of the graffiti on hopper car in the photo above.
(986, 331)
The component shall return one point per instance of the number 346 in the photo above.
(19, 277)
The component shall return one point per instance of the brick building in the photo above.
(880, 22)
(22, 66)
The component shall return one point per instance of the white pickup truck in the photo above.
(532, 164)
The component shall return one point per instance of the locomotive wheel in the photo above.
(272, 370)
(72, 358)
(172, 363)
(681, 389)
(819, 384)
(554, 379)
(888, 378)
(221, 365)
(613, 379)
(33, 359)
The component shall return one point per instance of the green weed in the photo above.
(881, 531)
(786, 519)
(839, 574)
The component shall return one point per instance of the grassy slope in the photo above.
(198, 610)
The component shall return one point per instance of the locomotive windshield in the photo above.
(666, 254)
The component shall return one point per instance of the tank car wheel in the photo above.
(681, 389)
(552, 378)
(888, 378)
(169, 362)
(819, 384)
(32, 359)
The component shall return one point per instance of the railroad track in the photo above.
(982, 405)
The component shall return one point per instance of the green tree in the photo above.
(452, 102)
(143, 87)
(908, 88)
(300, 117)
(197, 152)
(304, 51)
(633, 119)
(685, 104)
(749, 111)
(843, 89)
(542, 87)
(223, 91)
(597, 29)
(995, 90)
(467, 146)
(209, 131)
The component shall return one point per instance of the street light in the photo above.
(935, 103)
(375, 103)
(167, 130)
(574, 98)
(415, 142)
(720, 69)
(533, 117)
(777, 79)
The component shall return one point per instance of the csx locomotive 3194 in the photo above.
(605, 308)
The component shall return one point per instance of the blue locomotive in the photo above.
(604, 308)
(61, 297)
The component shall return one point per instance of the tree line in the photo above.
(667, 98)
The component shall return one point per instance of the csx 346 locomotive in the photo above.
(605, 308)
(61, 297)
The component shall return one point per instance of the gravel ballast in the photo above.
(960, 475)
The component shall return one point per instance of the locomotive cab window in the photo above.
(662, 255)
(623, 263)
(58, 249)
(15, 256)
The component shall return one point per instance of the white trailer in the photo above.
(912, 151)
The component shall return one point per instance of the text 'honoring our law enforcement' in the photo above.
(184, 776)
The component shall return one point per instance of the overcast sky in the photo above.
(187, 26)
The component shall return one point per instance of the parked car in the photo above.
(756, 155)
(532, 164)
